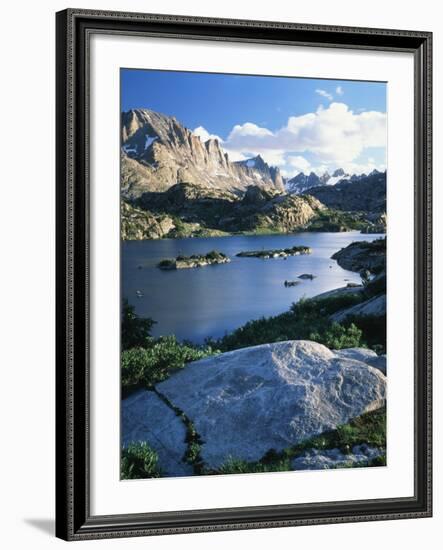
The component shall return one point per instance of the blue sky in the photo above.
(298, 124)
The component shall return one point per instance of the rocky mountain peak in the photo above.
(338, 172)
(159, 152)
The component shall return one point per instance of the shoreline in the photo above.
(254, 234)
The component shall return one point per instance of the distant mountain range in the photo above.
(365, 194)
(302, 182)
(174, 184)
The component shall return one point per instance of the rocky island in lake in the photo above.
(196, 260)
(276, 253)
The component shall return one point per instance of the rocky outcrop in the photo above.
(137, 224)
(374, 307)
(159, 152)
(314, 459)
(301, 183)
(275, 253)
(342, 291)
(197, 260)
(215, 209)
(363, 255)
(246, 402)
(288, 213)
(256, 167)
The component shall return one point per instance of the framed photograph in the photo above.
(243, 274)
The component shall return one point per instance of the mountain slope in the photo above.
(159, 152)
(368, 194)
(208, 210)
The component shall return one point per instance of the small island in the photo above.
(276, 253)
(196, 260)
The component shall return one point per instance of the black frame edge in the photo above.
(73, 521)
(61, 493)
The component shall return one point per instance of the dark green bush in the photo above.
(135, 331)
(376, 286)
(139, 461)
(166, 263)
(214, 255)
(337, 336)
(133, 362)
(373, 330)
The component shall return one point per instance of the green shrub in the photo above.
(132, 365)
(214, 255)
(135, 331)
(308, 319)
(376, 286)
(238, 466)
(373, 329)
(368, 428)
(166, 263)
(139, 461)
(147, 366)
(337, 336)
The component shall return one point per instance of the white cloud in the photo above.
(324, 93)
(273, 158)
(234, 156)
(298, 164)
(363, 167)
(339, 90)
(334, 135)
(247, 129)
(331, 137)
(204, 135)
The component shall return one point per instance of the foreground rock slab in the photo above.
(145, 417)
(245, 402)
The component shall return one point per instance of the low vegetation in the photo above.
(145, 360)
(308, 319)
(139, 461)
(145, 367)
(369, 428)
(338, 221)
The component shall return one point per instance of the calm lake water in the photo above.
(210, 301)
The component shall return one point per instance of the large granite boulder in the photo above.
(366, 356)
(245, 402)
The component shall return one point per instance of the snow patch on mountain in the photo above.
(149, 141)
